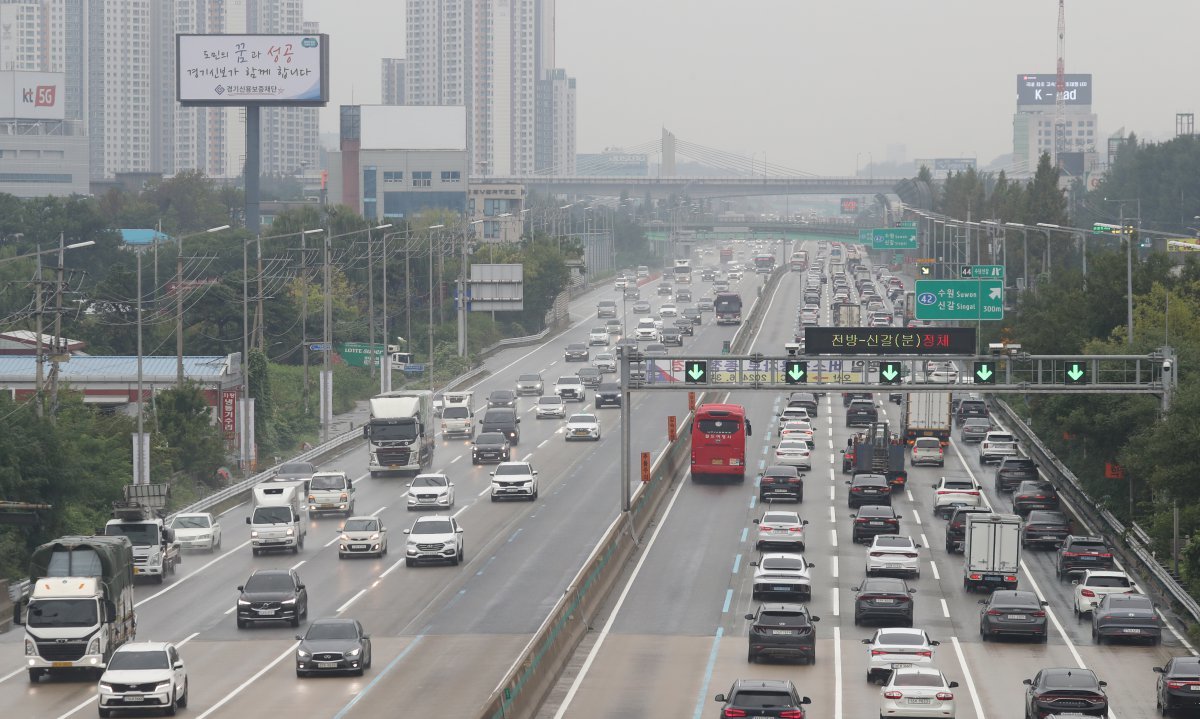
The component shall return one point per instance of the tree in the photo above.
(193, 442)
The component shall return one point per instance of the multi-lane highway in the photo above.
(675, 635)
(443, 636)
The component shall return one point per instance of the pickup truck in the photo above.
(570, 388)
(996, 446)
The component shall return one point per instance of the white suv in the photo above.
(143, 675)
(514, 480)
(997, 445)
(437, 538)
(647, 330)
(927, 450)
(1095, 584)
(950, 492)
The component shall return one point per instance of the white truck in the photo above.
(331, 492)
(847, 314)
(155, 551)
(927, 414)
(79, 605)
(400, 432)
(278, 520)
(992, 551)
(458, 414)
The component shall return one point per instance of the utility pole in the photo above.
(327, 340)
(140, 476)
(258, 315)
(304, 312)
(179, 313)
(39, 405)
(371, 304)
(385, 374)
(57, 349)
(429, 362)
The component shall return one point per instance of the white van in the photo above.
(331, 492)
(278, 520)
(458, 415)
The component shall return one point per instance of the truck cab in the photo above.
(400, 432)
(155, 551)
(331, 492)
(458, 415)
(278, 521)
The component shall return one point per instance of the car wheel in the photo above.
(183, 700)
(750, 656)
(34, 675)
(1044, 637)
(296, 548)
(171, 708)
(408, 562)
(296, 620)
(983, 635)
(241, 623)
(1097, 637)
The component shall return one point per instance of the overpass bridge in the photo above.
(706, 187)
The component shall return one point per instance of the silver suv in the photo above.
(434, 539)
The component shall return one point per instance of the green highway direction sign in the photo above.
(906, 223)
(894, 238)
(360, 354)
(864, 236)
(980, 272)
(959, 299)
(985, 372)
(695, 371)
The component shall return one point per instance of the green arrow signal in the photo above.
(984, 373)
(1075, 373)
(696, 372)
(889, 372)
(795, 373)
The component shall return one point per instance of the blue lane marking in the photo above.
(486, 564)
(728, 599)
(745, 531)
(702, 700)
(753, 499)
(762, 464)
(514, 534)
(417, 640)
(737, 562)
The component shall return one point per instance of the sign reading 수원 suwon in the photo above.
(252, 69)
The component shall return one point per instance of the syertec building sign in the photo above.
(31, 95)
(1040, 89)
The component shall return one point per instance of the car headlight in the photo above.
(105, 687)
(243, 603)
(373, 537)
(291, 532)
(163, 687)
(302, 654)
(354, 652)
(254, 534)
(289, 601)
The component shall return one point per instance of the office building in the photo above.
(394, 161)
(392, 81)
(500, 207)
(41, 154)
(1034, 130)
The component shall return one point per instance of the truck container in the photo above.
(799, 261)
(992, 551)
(927, 414)
(156, 554)
(846, 314)
(278, 520)
(79, 605)
(400, 432)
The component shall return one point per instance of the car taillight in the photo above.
(795, 529)
(734, 713)
(892, 695)
(878, 554)
(1179, 685)
(861, 520)
(879, 652)
(974, 577)
(909, 555)
(1105, 555)
(892, 521)
(994, 612)
(855, 489)
(1010, 578)
(926, 653)
(944, 696)
(791, 714)
(1087, 592)
(1038, 613)
(1070, 554)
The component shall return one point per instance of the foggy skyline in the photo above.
(819, 86)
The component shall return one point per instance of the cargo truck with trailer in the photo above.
(400, 432)
(928, 414)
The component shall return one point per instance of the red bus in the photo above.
(726, 255)
(719, 433)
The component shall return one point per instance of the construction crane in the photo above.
(1060, 86)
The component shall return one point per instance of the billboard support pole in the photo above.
(253, 167)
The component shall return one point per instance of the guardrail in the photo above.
(1131, 542)
(537, 668)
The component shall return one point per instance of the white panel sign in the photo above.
(414, 127)
(32, 95)
(252, 69)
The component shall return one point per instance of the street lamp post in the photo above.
(1128, 262)
(1024, 250)
(429, 369)
(371, 297)
(179, 300)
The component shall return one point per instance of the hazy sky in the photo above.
(814, 84)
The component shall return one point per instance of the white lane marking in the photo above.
(908, 492)
(180, 580)
(230, 610)
(962, 661)
(189, 638)
(339, 536)
(543, 443)
(831, 445)
(591, 657)
(837, 673)
(917, 517)
(924, 540)
(832, 516)
(297, 564)
(12, 674)
(945, 609)
(76, 708)
(460, 511)
(833, 537)
(458, 457)
(485, 491)
(377, 511)
(836, 608)
(392, 568)
(833, 566)
(350, 601)
(933, 568)
(527, 457)
(238, 690)
(222, 514)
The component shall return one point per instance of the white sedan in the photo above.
(668, 310)
(198, 530)
(430, 490)
(605, 362)
(550, 406)
(917, 692)
(780, 573)
(797, 429)
(780, 528)
(897, 648)
(893, 553)
(598, 336)
(582, 426)
(793, 453)
(1095, 583)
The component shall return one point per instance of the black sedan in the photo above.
(1044, 527)
(1034, 494)
(782, 631)
(576, 352)
(1065, 690)
(1178, 684)
(1012, 613)
(1126, 616)
(334, 646)
(502, 398)
(869, 489)
(884, 599)
(874, 519)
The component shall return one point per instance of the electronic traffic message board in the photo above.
(889, 340)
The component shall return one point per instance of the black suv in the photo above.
(956, 528)
(874, 519)
(1014, 470)
(490, 447)
(970, 408)
(848, 397)
(782, 631)
(608, 394)
(1045, 527)
(1034, 494)
(272, 595)
(502, 398)
(670, 336)
(868, 489)
(685, 327)
(763, 698)
(781, 482)
(1079, 553)
(861, 413)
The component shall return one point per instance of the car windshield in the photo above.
(599, 330)
(883, 585)
(793, 444)
(1073, 679)
(776, 563)
(976, 425)
(908, 639)
(361, 525)
(156, 659)
(568, 380)
(604, 356)
(139, 534)
(1128, 601)
(1014, 599)
(928, 443)
(272, 515)
(512, 469)
(502, 394)
(332, 630)
(455, 413)
(62, 613)
(916, 679)
(779, 518)
(759, 699)
(1087, 546)
(490, 438)
(429, 480)
(957, 484)
(327, 482)
(273, 582)
(996, 437)
(550, 400)
(893, 540)
(583, 418)
(1108, 582)
(779, 616)
(191, 521)
(296, 468)
(529, 378)
(432, 526)
(718, 426)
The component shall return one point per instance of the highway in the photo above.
(675, 635)
(443, 636)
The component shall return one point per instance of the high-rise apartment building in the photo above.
(436, 63)
(289, 134)
(22, 35)
(555, 154)
(392, 81)
(210, 140)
